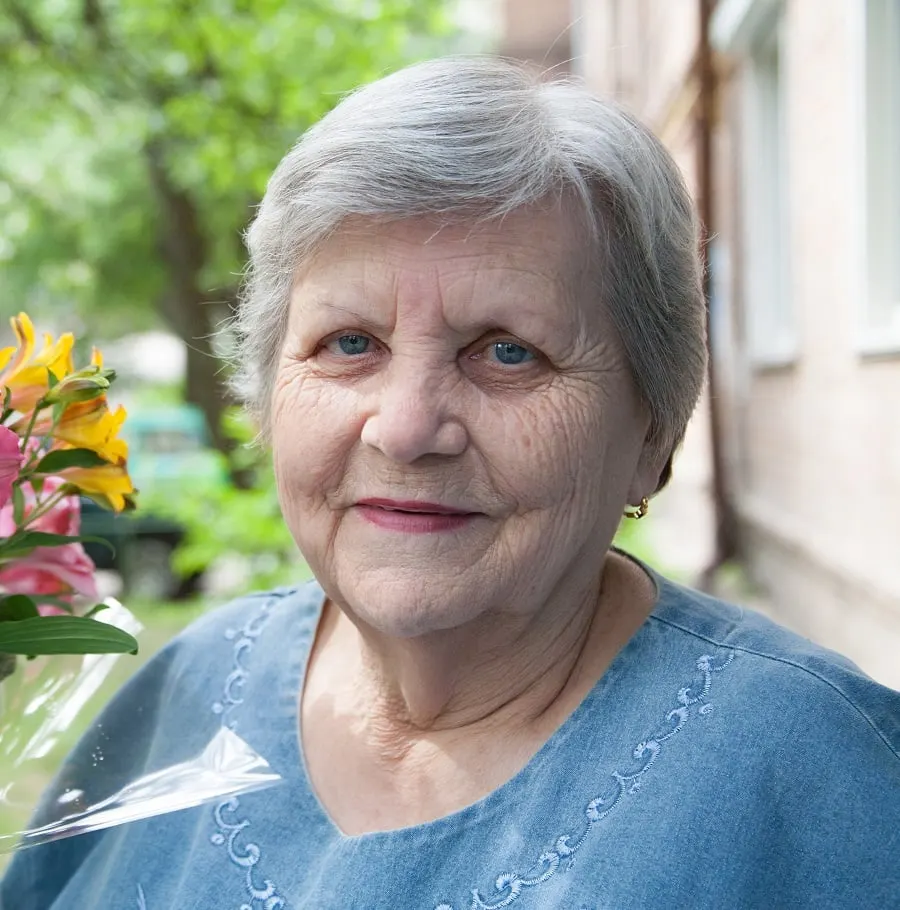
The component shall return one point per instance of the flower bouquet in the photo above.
(58, 441)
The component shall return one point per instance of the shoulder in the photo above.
(250, 615)
(795, 687)
(800, 745)
(202, 653)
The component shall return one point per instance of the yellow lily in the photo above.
(110, 481)
(92, 425)
(26, 374)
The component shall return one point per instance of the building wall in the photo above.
(820, 465)
(538, 31)
(639, 51)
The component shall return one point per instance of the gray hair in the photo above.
(477, 138)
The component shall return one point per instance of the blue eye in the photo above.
(353, 345)
(510, 353)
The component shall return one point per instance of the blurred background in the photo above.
(137, 136)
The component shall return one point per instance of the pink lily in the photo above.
(10, 462)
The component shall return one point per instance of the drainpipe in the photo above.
(726, 538)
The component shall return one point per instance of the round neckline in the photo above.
(491, 802)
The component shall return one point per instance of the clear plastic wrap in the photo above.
(44, 707)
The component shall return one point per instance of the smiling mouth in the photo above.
(413, 517)
(413, 507)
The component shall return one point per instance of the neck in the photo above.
(508, 670)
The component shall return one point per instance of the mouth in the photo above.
(413, 516)
(413, 507)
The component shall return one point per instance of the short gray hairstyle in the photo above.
(477, 138)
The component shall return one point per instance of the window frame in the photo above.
(879, 314)
(771, 329)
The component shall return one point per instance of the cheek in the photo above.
(543, 449)
(314, 430)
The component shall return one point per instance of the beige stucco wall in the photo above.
(638, 52)
(821, 481)
(536, 30)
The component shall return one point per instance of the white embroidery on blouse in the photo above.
(244, 639)
(245, 855)
(510, 886)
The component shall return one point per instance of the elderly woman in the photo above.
(473, 333)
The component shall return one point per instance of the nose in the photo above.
(410, 417)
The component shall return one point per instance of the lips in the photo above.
(407, 516)
(412, 506)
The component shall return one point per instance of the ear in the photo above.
(653, 471)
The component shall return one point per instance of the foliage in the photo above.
(102, 95)
(58, 440)
(221, 519)
(631, 536)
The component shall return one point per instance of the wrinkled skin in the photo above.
(547, 451)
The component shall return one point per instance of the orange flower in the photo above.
(25, 374)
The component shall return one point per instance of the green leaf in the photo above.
(18, 504)
(17, 607)
(26, 541)
(97, 608)
(64, 635)
(54, 462)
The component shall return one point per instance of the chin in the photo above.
(402, 608)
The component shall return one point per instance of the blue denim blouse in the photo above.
(720, 761)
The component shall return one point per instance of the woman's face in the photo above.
(455, 430)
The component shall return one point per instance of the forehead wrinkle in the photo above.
(538, 279)
(504, 297)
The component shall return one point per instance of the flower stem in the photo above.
(42, 508)
(30, 428)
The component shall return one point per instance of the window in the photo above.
(881, 312)
(770, 323)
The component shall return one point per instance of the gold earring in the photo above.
(640, 511)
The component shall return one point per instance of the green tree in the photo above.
(137, 135)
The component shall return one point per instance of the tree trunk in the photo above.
(185, 308)
(205, 389)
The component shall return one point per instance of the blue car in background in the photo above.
(168, 451)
